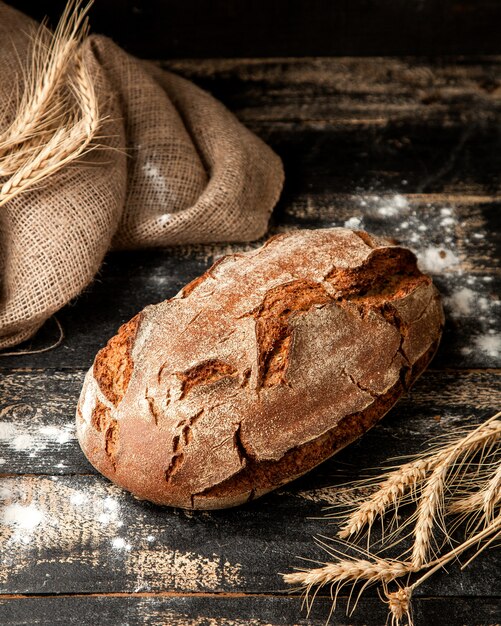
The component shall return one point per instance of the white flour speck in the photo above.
(32, 439)
(25, 517)
(164, 219)
(23, 442)
(393, 206)
(433, 259)
(461, 301)
(7, 431)
(353, 222)
(110, 504)
(77, 498)
(4, 493)
(155, 177)
(118, 543)
(489, 343)
(59, 435)
(2, 461)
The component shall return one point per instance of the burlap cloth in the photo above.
(181, 169)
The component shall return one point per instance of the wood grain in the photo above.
(85, 536)
(222, 610)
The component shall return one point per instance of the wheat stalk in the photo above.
(440, 476)
(48, 132)
(349, 570)
(431, 503)
(399, 601)
(492, 494)
(395, 485)
(41, 104)
(485, 499)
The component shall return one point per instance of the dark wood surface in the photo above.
(405, 148)
(264, 28)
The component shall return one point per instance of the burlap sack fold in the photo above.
(174, 167)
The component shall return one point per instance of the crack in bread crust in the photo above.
(263, 476)
(204, 373)
(113, 364)
(273, 334)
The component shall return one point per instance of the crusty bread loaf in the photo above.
(260, 369)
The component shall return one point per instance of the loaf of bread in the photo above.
(260, 369)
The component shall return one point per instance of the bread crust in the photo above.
(260, 369)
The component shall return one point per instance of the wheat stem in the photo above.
(442, 473)
(493, 528)
(398, 483)
(430, 505)
(492, 494)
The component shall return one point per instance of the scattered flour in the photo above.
(77, 498)
(393, 206)
(119, 543)
(435, 260)
(23, 517)
(489, 343)
(58, 435)
(433, 236)
(164, 219)
(353, 223)
(31, 438)
(160, 567)
(461, 302)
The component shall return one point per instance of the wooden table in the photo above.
(402, 148)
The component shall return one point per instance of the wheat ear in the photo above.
(71, 138)
(430, 505)
(395, 485)
(349, 570)
(485, 499)
(42, 103)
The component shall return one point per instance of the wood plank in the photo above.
(447, 166)
(38, 437)
(231, 611)
(81, 534)
(348, 88)
(290, 27)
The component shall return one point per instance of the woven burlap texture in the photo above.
(174, 166)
